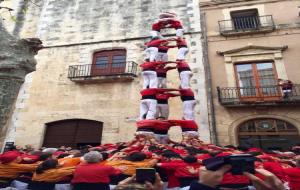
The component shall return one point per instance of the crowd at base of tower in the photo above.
(178, 165)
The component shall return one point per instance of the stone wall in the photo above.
(71, 31)
(16, 60)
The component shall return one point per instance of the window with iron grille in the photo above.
(109, 62)
(245, 19)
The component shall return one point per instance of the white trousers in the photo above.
(162, 111)
(19, 185)
(190, 134)
(151, 53)
(62, 187)
(145, 133)
(162, 139)
(149, 79)
(182, 53)
(155, 34)
(188, 109)
(179, 32)
(174, 188)
(185, 77)
(148, 109)
(162, 82)
(185, 188)
(162, 57)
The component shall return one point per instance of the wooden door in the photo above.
(73, 133)
(109, 63)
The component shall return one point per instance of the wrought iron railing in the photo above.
(93, 70)
(247, 24)
(258, 95)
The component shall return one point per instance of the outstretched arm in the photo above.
(171, 94)
(170, 68)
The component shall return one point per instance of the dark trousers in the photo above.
(115, 179)
(37, 185)
(187, 181)
(5, 182)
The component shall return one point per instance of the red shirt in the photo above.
(175, 24)
(170, 23)
(162, 71)
(158, 26)
(150, 65)
(186, 92)
(185, 124)
(156, 124)
(155, 43)
(235, 179)
(163, 48)
(93, 173)
(277, 170)
(182, 64)
(152, 91)
(181, 42)
(294, 174)
(165, 96)
(203, 156)
(184, 172)
(170, 168)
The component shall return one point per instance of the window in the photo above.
(245, 19)
(109, 62)
(257, 80)
(268, 134)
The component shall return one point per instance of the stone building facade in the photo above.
(250, 45)
(72, 32)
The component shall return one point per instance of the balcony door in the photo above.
(257, 81)
(109, 62)
(245, 19)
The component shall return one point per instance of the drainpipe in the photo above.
(208, 82)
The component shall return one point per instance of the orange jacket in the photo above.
(12, 170)
(53, 175)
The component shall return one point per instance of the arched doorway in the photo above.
(73, 133)
(268, 134)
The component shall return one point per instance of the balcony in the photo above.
(92, 73)
(247, 25)
(258, 96)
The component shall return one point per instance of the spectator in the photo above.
(188, 173)
(10, 167)
(91, 175)
(294, 174)
(286, 87)
(49, 175)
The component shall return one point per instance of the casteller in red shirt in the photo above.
(294, 175)
(277, 170)
(186, 125)
(170, 168)
(94, 173)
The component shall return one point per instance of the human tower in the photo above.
(154, 119)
